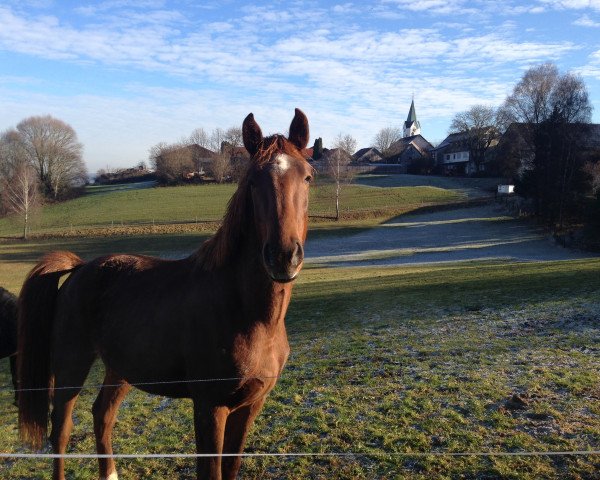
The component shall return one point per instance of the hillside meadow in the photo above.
(389, 361)
(110, 210)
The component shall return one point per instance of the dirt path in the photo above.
(471, 187)
(474, 233)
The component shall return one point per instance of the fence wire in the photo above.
(300, 454)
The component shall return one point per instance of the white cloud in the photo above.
(386, 13)
(345, 8)
(438, 7)
(591, 70)
(572, 4)
(586, 21)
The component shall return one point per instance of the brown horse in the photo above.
(218, 314)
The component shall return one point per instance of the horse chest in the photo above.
(258, 363)
(259, 357)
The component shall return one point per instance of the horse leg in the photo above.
(72, 375)
(209, 426)
(236, 431)
(13, 373)
(105, 410)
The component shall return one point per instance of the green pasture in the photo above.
(387, 361)
(111, 207)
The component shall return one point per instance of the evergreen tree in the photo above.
(318, 149)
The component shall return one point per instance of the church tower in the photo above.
(412, 125)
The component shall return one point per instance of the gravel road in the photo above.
(472, 233)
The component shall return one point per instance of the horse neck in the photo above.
(234, 251)
(222, 248)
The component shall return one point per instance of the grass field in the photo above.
(395, 360)
(121, 211)
(464, 357)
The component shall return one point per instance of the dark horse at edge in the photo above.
(8, 332)
(217, 314)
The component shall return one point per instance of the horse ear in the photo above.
(299, 133)
(252, 135)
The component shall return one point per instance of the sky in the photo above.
(127, 75)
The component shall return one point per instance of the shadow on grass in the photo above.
(327, 306)
(91, 247)
(119, 187)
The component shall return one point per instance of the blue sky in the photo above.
(127, 75)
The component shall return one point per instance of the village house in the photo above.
(367, 155)
(452, 156)
(466, 153)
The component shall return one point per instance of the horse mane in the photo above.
(215, 251)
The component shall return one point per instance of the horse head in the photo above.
(278, 181)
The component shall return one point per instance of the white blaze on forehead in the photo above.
(282, 162)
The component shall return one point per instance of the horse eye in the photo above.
(308, 179)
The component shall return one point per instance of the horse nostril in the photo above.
(281, 261)
(268, 255)
(298, 255)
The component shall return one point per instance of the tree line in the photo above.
(40, 159)
(218, 154)
(553, 112)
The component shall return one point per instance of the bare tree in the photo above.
(220, 167)
(200, 137)
(346, 142)
(531, 99)
(233, 136)
(154, 155)
(543, 91)
(11, 152)
(20, 192)
(52, 148)
(552, 110)
(172, 162)
(385, 138)
(217, 137)
(480, 124)
(225, 143)
(337, 163)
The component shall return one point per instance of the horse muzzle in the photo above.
(283, 264)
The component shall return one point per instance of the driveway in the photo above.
(473, 233)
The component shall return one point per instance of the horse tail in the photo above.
(36, 316)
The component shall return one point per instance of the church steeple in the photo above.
(412, 125)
